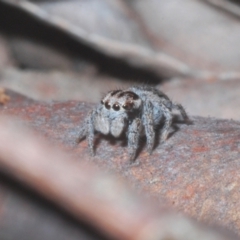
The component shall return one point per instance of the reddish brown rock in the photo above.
(195, 171)
(189, 181)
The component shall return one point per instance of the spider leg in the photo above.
(167, 123)
(149, 126)
(180, 108)
(82, 133)
(90, 132)
(87, 130)
(134, 131)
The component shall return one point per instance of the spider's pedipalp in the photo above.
(117, 126)
(101, 121)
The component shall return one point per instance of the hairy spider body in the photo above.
(136, 111)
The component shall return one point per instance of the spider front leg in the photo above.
(87, 130)
(149, 126)
(134, 131)
(82, 133)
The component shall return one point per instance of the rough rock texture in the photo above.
(195, 171)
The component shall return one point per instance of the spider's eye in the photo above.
(116, 107)
(107, 105)
(128, 105)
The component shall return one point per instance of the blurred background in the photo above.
(80, 49)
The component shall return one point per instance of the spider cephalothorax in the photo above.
(134, 112)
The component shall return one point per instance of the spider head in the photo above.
(122, 101)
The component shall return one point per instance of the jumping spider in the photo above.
(136, 111)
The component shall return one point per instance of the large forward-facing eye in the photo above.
(107, 105)
(116, 107)
(128, 105)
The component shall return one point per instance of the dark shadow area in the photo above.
(225, 10)
(235, 1)
(110, 139)
(15, 22)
